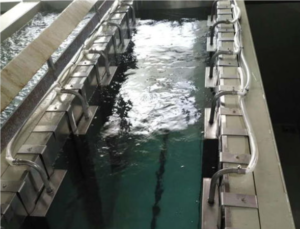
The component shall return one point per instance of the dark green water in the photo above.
(142, 167)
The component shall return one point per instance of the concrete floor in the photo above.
(276, 34)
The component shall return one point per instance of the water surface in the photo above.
(142, 169)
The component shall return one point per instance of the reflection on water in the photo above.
(160, 93)
(145, 162)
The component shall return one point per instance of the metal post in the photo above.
(214, 57)
(212, 30)
(119, 29)
(215, 178)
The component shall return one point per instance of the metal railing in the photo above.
(245, 87)
(55, 89)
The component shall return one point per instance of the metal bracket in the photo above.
(243, 159)
(228, 63)
(32, 149)
(234, 132)
(75, 86)
(44, 128)
(228, 88)
(210, 213)
(65, 108)
(210, 130)
(224, 5)
(238, 200)
(105, 80)
(230, 111)
(211, 82)
(11, 186)
(209, 47)
(224, 11)
(84, 124)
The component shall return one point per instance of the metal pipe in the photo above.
(214, 57)
(85, 105)
(215, 178)
(119, 29)
(212, 29)
(38, 168)
(214, 103)
(106, 61)
(132, 10)
(213, 7)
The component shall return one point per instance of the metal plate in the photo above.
(105, 80)
(227, 88)
(210, 218)
(44, 202)
(11, 185)
(223, 5)
(227, 63)
(224, 11)
(209, 22)
(235, 158)
(121, 49)
(224, 17)
(238, 200)
(210, 130)
(45, 128)
(211, 82)
(209, 47)
(84, 124)
(225, 45)
(234, 132)
(230, 111)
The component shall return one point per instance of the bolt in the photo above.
(4, 186)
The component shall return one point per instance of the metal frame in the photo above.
(21, 114)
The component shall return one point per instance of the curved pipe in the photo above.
(105, 59)
(213, 10)
(215, 178)
(132, 10)
(85, 105)
(214, 103)
(214, 57)
(119, 29)
(37, 168)
(212, 29)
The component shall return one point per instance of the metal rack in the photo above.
(30, 192)
(228, 76)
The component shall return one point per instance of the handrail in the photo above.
(132, 10)
(241, 94)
